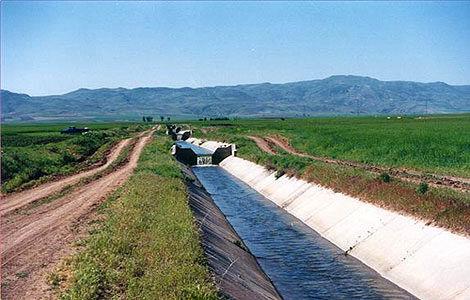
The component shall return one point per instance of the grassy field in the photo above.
(35, 152)
(438, 144)
(147, 246)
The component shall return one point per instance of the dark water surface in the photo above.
(301, 264)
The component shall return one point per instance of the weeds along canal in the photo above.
(301, 264)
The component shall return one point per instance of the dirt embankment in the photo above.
(35, 241)
(17, 200)
(456, 183)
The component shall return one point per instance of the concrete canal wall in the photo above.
(429, 262)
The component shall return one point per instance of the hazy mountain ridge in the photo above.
(335, 95)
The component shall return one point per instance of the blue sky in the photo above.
(57, 47)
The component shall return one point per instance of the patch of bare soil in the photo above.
(208, 129)
(17, 200)
(456, 183)
(34, 242)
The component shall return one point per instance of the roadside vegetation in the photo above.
(120, 160)
(146, 245)
(33, 154)
(440, 144)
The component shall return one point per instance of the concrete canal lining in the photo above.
(300, 263)
(429, 262)
(236, 272)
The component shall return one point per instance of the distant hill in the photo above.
(335, 95)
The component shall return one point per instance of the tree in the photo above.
(168, 119)
(162, 118)
(143, 119)
(149, 119)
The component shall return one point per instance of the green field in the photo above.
(440, 144)
(32, 153)
(437, 144)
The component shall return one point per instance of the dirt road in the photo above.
(33, 243)
(456, 183)
(262, 144)
(17, 200)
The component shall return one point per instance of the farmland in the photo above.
(438, 144)
(129, 243)
(33, 154)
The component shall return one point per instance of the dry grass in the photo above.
(447, 209)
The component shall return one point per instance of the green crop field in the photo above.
(437, 144)
(35, 152)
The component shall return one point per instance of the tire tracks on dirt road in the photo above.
(33, 243)
(17, 200)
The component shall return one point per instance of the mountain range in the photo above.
(335, 95)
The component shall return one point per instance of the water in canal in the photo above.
(301, 264)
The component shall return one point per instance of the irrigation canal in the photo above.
(301, 264)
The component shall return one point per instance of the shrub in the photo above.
(385, 177)
(422, 188)
(280, 173)
(67, 157)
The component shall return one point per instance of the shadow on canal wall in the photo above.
(427, 261)
(236, 272)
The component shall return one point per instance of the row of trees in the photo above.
(215, 119)
(149, 119)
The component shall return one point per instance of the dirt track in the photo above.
(456, 183)
(262, 144)
(17, 200)
(33, 243)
